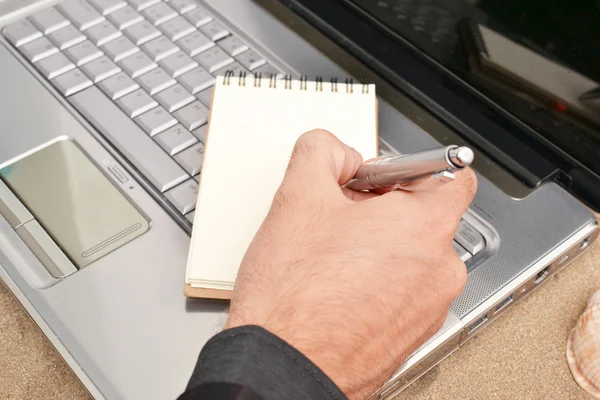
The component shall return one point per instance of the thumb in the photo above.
(320, 158)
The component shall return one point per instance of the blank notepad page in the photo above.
(251, 134)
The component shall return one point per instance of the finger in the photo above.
(453, 198)
(321, 161)
(448, 201)
(382, 190)
(355, 195)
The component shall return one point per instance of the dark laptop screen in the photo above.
(537, 59)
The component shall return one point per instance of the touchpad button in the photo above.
(81, 210)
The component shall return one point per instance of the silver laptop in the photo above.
(103, 110)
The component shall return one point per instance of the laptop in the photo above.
(103, 113)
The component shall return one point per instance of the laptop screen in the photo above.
(539, 60)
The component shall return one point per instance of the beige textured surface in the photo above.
(520, 356)
(29, 367)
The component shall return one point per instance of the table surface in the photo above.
(520, 355)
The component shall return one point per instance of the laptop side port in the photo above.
(477, 324)
(585, 242)
(504, 304)
(541, 275)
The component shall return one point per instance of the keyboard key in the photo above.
(54, 65)
(200, 133)
(118, 85)
(193, 115)
(461, 252)
(198, 17)
(38, 49)
(100, 69)
(155, 121)
(135, 145)
(125, 17)
(233, 45)
(136, 103)
(183, 6)
(184, 196)
(267, 71)
(214, 59)
(80, 13)
(197, 178)
(155, 81)
(250, 59)
(106, 7)
(178, 64)
(236, 68)
(190, 216)
(66, 37)
(205, 96)
(191, 159)
(83, 52)
(137, 64)
(71, 82)
(49, 20)
(21, 32)
(160, 48)
(120, 48)
(174, 98)
(142, 32)
(159, 13)
(197, 80)
(195, 43)
(214, 30)
(175, 139)
(177, 28)
(142, 4)
(469, 238)
(103, 33)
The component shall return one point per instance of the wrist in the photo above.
(255, 358)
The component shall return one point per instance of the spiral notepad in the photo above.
(253, 126)
(506, 63)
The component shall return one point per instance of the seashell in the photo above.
(583, 348)
(594, 299)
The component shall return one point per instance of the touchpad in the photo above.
(71, 201)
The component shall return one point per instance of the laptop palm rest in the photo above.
(66, 211)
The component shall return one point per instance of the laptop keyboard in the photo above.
(141, 72)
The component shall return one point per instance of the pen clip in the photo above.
(426, 183)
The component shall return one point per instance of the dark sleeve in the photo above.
(250, 363)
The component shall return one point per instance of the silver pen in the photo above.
(416, 171)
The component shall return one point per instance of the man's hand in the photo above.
(355, 281)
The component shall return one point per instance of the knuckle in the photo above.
(302, 148)
(314, 139)
(284, 200)
(448, 224)
(457, 277)
(307, 145)
(442, 226)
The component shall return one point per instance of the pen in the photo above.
(416, 171)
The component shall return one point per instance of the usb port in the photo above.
(541, 275)
(478, 323)
(504, 303)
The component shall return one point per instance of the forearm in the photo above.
(252, 364)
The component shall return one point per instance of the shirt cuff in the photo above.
(252, 357)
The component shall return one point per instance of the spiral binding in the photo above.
(287, 82)
(474, 38)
